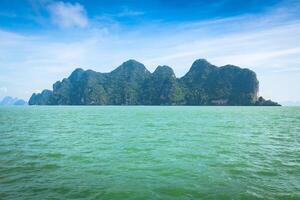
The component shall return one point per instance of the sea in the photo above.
(149, 152)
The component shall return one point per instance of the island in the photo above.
(132, 84)
(12, 101)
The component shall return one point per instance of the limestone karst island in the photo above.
(132, 84)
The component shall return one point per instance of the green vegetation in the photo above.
(132, 84)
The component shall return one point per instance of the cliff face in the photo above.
(229, 85)
(132, 84)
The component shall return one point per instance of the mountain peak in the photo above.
(131, 61)
(202, 63)
(201, 60)
(131, 66)
(164, 71)
(200, 66)
(78, 70)
(76, 74)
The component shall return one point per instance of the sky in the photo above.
(42, 41)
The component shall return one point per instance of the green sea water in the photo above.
(137, 152)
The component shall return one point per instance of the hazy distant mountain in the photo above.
(20, 102)
(132, 84)
(10, 101)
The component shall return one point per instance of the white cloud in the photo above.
(67, 15)
(129, 13)
(3, 89)
(268, 44)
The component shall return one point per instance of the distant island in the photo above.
(10, 101)
(132, 84)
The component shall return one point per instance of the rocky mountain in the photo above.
(132, 84)
(10, 101)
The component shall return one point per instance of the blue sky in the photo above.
(42, 41)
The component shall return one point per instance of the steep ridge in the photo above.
(132, 84)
